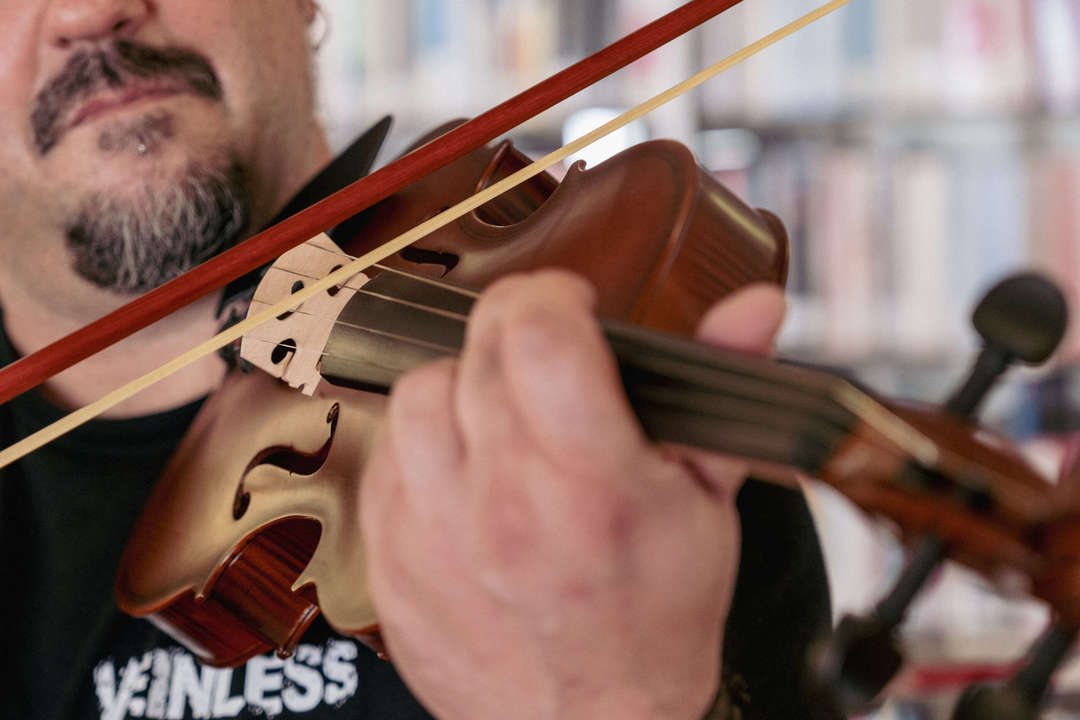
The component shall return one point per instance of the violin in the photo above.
(276, 553)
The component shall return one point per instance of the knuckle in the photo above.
(540, 333)
(612, 521)
(564, 283)
(549, 334)
(419, 391)
(501, 293)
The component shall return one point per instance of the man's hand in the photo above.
(531, 554)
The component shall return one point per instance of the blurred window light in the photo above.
(728, 149)
(588, 119)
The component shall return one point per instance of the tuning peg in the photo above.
(1020, 698)
(1021, 318)
(863, 654)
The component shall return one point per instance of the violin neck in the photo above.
(681, 391)
(687, 392)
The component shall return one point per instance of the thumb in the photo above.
(747, 320)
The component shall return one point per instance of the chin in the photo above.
(132, 173)
(150, 218)
(153, 168)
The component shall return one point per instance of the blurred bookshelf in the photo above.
(916, 150)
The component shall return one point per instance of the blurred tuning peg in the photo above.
(1020, 698)
(863, 655)
(1023, 317)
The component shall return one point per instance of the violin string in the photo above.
(894, 438)
(891, 432)
(759, 422)
(822, 432)
(397, 300)
(819, 433)
(441, 284)
(407, 339)
(429, 309)
(339, 277)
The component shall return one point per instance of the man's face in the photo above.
(136, 108)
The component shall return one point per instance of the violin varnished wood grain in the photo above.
(250, 608)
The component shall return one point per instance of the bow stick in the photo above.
(264, 247)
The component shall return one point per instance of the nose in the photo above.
(70, 22)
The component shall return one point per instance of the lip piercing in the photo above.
(142, 149)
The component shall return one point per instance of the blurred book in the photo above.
(987, 65)
(1055, 35)
(1055, 236)
(842, 233)
(920, 242)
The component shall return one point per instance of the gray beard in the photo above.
(133, 245)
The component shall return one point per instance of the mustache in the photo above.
(88, 72)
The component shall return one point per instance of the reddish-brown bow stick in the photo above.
(262, 248)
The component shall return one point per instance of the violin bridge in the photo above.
(290, 346)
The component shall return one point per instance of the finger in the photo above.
(408, 492)
(423, 433)
(748, 320)
(380, 496)
(560, 373)
(397, 549)
(487, 411)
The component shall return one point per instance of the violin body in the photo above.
(253, 528)
(654, 232)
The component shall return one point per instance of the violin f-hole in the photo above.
(289, 459)
(420, 256)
